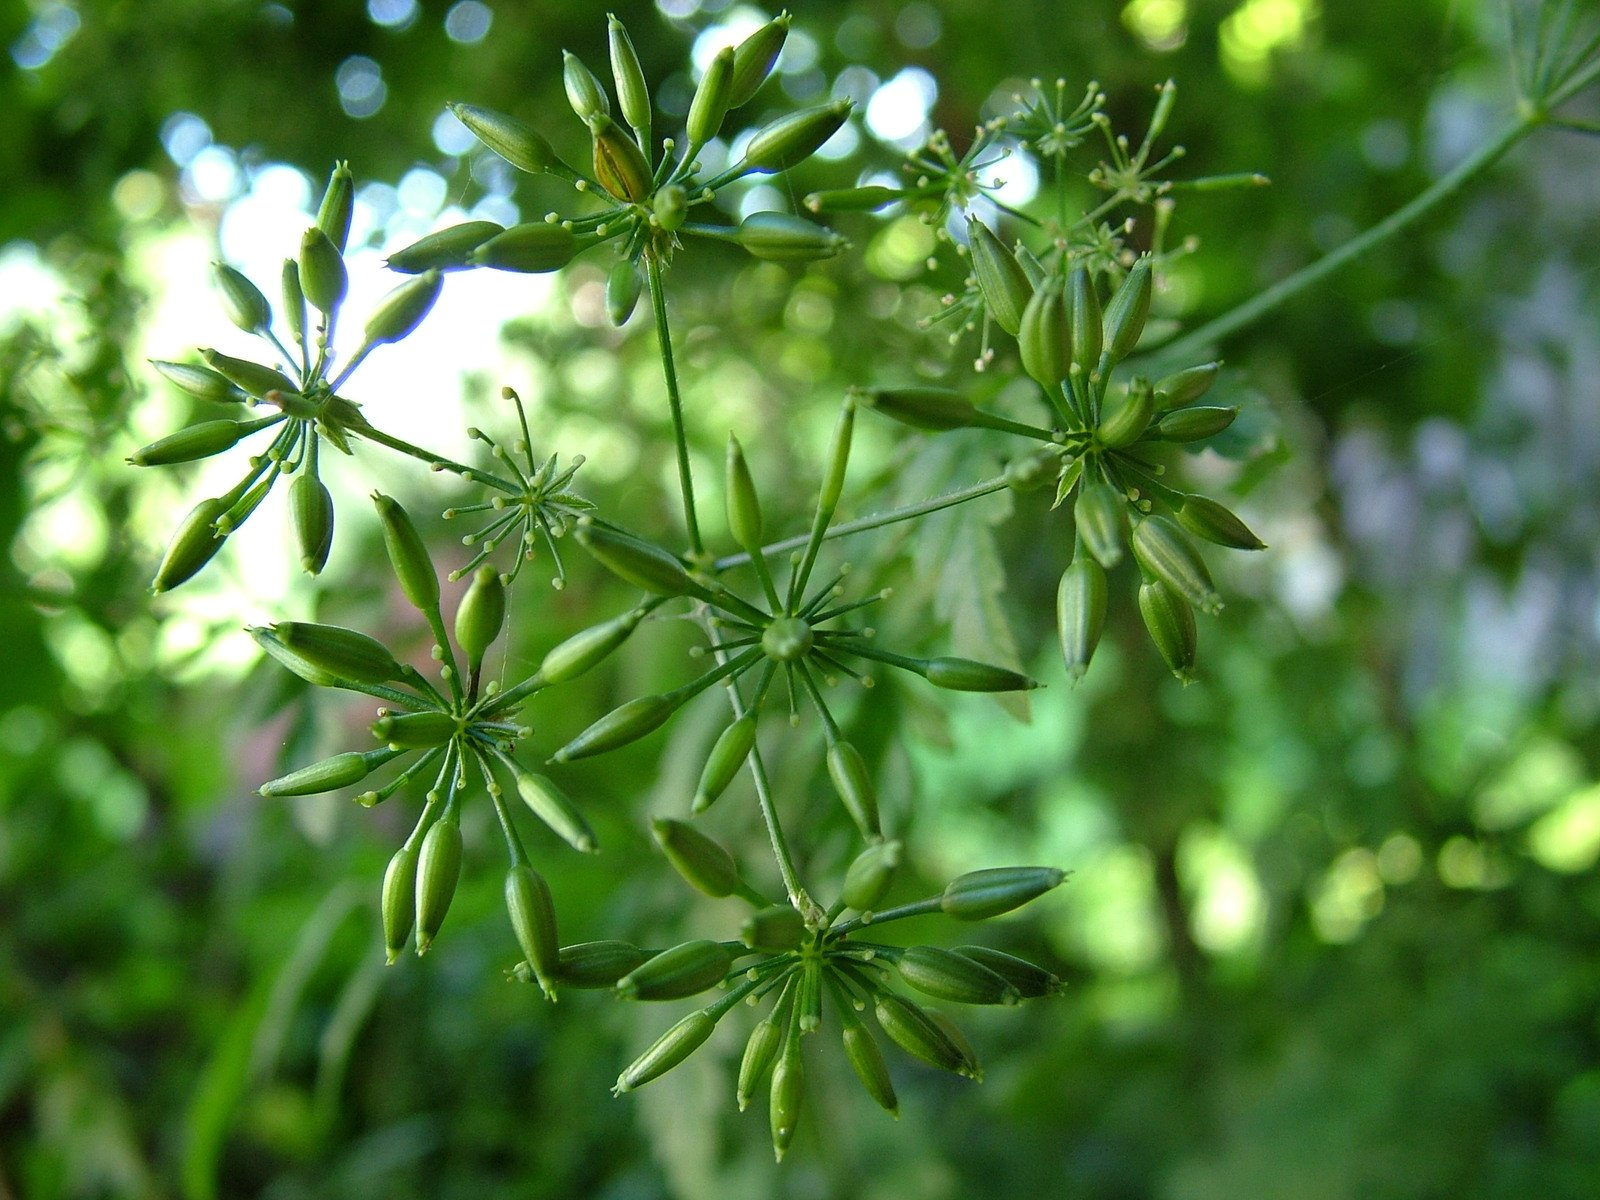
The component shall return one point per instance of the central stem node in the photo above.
(787, 639)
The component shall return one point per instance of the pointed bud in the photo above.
(200, 382)
(711, 100)
(588, 647)
(1044, 337)
(933, 408)
(201, 440)
(242, 300)
(481, 615)
(400, 312)
(1205, 518)
(755, 57)
(1125, 315)
(619, 164)
(837, 461)
(1004, 284)
(744, 507)
(334, 650)
(1166, 554)
(415, 730)
(773, 930)
(788, 1089)
(597, 964)
(533, 919)
(315, 675)
(1030, 981)
(866, 1058)
(531, 248)
(946, 975)
(1127, 415)
(911, 1028)
(670, 1049)
(759, 1051)
(1102, 518)
(251, 376)
(626, 723)
(726, 759)
(337, 207)
(584, 93)
(1186, 386)
(867, 881)
(633, 95)
(408, 555)
(636, 561)
(1085, 320)
(1080, 613)
(556, 809)
(311, 507)
(681, 971)
(794, 138)
(322, 272)
(294, 301)
(448, 250)
(438, 870)
(781, 237)
(508, 137)
(623, 286)
(704, 864)
(979, 895)
(1193, 424)
(398, 902)
(329, 775)
(966, 675)
(1170, 621)
(853, 782)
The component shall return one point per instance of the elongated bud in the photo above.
(967, 675)
(1044, 338)
(533, 919)
(619, 164)
(597, 964)
(703, 863)
(584, 93)
(251, 376)
(979, 895)
(329, 775)
(866, 1058)
(759, 1051)
(311, 507)
(670, 1049)
(626, 723)
(755, 57)
(781, 237)
(773, 930)
(794, 138)
(242, 300)
(788, 1089)
(726, 759)
(438, 870)
(1032, 471)
(623, 286)
(671, 207)
(1031, 266)
(398, 902)
(838, 460)
(200, 382)
(856, 199)
(959, 1040)
(1186, 386)
(711, 99)
(933, 408)
(1127, 415)
(1205, 518)
(1085, 320)
(1194, 424)
(322, 271)
(853, 782)
(1004, 284)
(911, 1028)
(1170, 622)
(685, 969)
(1167, 555)
(633, 95)
(744, 507)
(556, 809)
(587, 648)
(337, 207)
(867, 881)
(481, 615)
(400, 312)
(521, 146)
(1125, 315)
(531, 248)
(1080, 613)
(342, 653)
(415, 730)
(946, 975)
(294, 300)
(636, 561)
(298, 665)
(1102, 518)
(1030, 981)
(447, 250)
(408, 555)
(201, 440)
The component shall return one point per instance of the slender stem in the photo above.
(658, 303)
(917, 908)
(374, 434)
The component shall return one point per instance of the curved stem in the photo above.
(658, 304)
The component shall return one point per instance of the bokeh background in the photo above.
(1334, 924)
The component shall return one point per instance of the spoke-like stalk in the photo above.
(438, 462)
(658, 303)
(917, 908)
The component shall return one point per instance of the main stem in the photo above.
(658, 303)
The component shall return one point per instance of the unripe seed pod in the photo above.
(866, 1057)
(267, 639)
(1127, 415)
(242, 300)
(294, 300)
(867, 881)
(1167, 555)
(438, 870)
(530, 248)
(979, 895)
(759, 1051)
(1032, 471)
(685, 969)
(533, 919)
(1193, 424)
(619, 164)
(482, 614)
(508, 137)
(597, 964)
(704, 864)
(342, 653)
(946, 975)
(911, 1028)
(337, 207)
(201, 440)
(1102, 517)
(200, 382)
(1170, 621)
(726, 759)
(416, 730)
(1031, 266)
(311, 507)
(398, 902)
(1205, 518)
(633, 95)
(711, 100)
(838, 459)
(1080, 613)
(329, 775)
(781, 237)
(408, 555)
(792, 139)
(670, 1049)
(1044, 337)
(959, 1040)
(626, 723)
(671, 207)
(1031, 981)
(773, 930)
(1125, 315)
(322, 273)
(552, 806)
(1186, 386)
(400, 312)
(448, 250)
(623, 286)
(788, 1088)
(1085, 320)
(744, 506)
(754, 59)
(966, 675)
(853, 782)
(251, 376)
(933, 408)
(585, 649)
(636, 561)
(858, 199)
(1004, 284)
(584, 93)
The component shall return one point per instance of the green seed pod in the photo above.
(633, 95)
(408, 555)
(552, 806)
(853, 782)
(979, 895)
(1085, 320)
(754, 59)
(726, 759)
(587, 648)
(759, 1051)
(533, 919)
(1186, 386)
(597, 964)
(1125, 315)
(704, 864)
(398, 902)
(744, 506)
(808, 997)
(329, 775)
(1031, 981)
(1032, 471)
(337, 207)
(1167, 555)
(448, 250)
(788, 1089)
(623, 286)
(311, 507)
(1102, 517)
(626, 723)
(322, 272)
(773, 930)
(251, 376)
(781, 237)
(1044, 337)
(685, 969)
(857, 199)
(1170, 621)
(201, 440)
(671, 207)
(267, 639)
(946, 975)
(200, 382)
(508, 137)
(959, 1040)
(866, 1057)
(910, 1027)
(342, 653)
(619, 164)
(1080, 613)
(415, 730)
(584, 91)
(1214, 522)
(636, 561)
(482, 614)
(1031, 266)
(400, 312)
(670, 1049)
(711, 100)
(242, 300)
(438, 870)
(838, 459)
(1193, 424)
(530, 248)
(792, 139)
(966, 675)
(1001, 279)
(1127, 415)
(867, 881)
(932, 408)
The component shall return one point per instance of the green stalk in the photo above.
(373, 434)
(658, 303)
